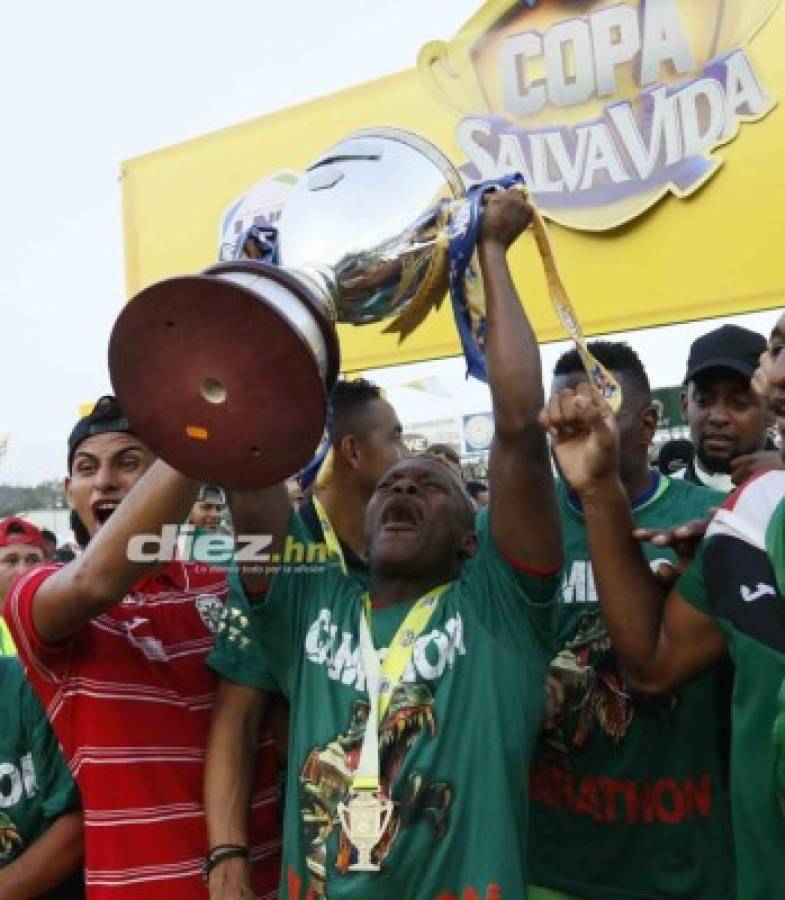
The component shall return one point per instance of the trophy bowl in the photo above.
(226, 374)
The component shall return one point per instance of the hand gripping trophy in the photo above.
(378, 228)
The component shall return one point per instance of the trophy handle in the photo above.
(454, 87)
(386, 816)
(342, 811)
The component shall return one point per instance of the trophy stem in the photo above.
(323, 287)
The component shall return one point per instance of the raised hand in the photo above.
(682, 539)
(584, 437)
(507, 214)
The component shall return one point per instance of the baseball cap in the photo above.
(106, 416)
(729, 347)
(14, 530)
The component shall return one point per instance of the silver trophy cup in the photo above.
(247, 350)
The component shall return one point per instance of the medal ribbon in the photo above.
(7, 646)
(334, 550)
(599, 376)
(383, 678)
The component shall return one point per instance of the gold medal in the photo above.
(364, 820)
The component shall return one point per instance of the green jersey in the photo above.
(455, 741)
(627, 794)
(35, 784)
(737, 577)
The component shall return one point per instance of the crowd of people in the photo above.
(567, 684)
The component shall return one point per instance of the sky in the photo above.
(90, 83)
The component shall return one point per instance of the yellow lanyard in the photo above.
(383, 678)
(599, 376)
(330, 537)
(7, 646)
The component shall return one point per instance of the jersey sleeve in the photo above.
(257, 641)
(507, 583)
(238, 654)
(692, 584)
(56, 786)
(44, 662)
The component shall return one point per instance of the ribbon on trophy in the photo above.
(455, 264)
(319, 468)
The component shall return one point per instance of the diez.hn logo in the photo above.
(215, 548)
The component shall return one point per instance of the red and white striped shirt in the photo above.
(130, 698)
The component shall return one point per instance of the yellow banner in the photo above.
(650, 133)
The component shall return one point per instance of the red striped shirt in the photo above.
(130, 698)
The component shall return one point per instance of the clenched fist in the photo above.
(584, 437)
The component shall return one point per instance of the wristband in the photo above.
(220, 853)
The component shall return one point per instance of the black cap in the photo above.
(729, 347)
(212, 492)
(106, 416)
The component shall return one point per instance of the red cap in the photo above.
(14, 530)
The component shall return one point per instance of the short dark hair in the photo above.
(617, 356)
(48, 535)
(348, 398)
(446, 450)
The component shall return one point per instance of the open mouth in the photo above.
(401, 515)
(102, 509)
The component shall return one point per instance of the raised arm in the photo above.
(661, 640)
(102, 575)
(524, 520)
(263, 513)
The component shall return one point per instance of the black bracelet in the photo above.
(221, 853)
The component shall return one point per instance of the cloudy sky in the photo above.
(89, 83)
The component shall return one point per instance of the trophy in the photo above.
(364, 820)
(226, 374)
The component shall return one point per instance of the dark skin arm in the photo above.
(231, 756)
(102, 575)
(259, 512)
(661, 640)
(238, 710)
(683, 539)
(47, 862)
(524, 519)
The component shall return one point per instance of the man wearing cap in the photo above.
(203, 538)
(21, 546)
(210, 504)
(731, 598)
(727, 419)
(114, 645)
